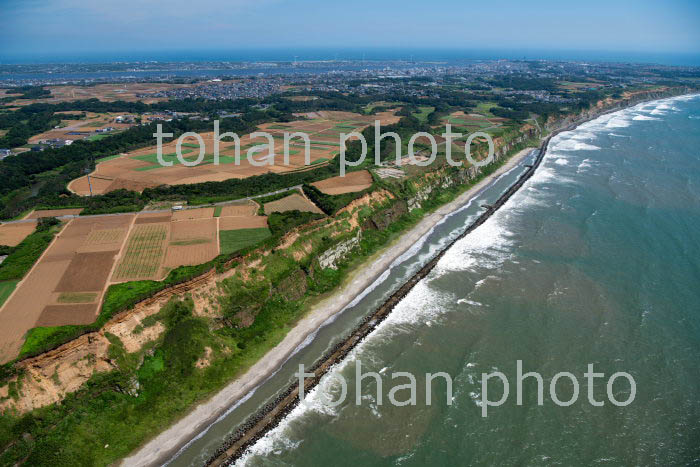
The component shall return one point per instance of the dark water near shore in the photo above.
(595, 261)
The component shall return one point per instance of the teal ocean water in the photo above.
(596, 260)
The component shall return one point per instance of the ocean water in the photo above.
(596, 260)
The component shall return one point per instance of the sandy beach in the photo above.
(161, 448)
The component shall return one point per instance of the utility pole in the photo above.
(87, 171)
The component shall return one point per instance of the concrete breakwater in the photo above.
(272, 413)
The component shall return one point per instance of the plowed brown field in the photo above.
(53, 213)
(240, 222)
(350, 183)
(13, 234)
(291, 203)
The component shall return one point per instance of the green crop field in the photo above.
(144, 252)
(485, 108)
(102, 159)
(77, 297)
(208, 159)
(234, 240)
(98, 137)
(153, 157)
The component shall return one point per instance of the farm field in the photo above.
(234, 240)
(350, 183)
(242, 222)
(144, 252)
(53, 213)
(462, 122)
(291, 203)
(66, 286)
(188, 214)
(192, 242)
(78, 261)
(139, 169)
(249, 208)
(104, 92)
(6, 288)
(13, 234)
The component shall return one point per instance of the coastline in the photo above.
(178, 435)
(161, 448)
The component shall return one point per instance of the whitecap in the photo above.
(561, 161)
(464, 301)
(585, 164)
(644, 118)
(489, 245)
(572, 145)
(620, 121)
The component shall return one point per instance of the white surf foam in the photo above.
(572, 144)
(488, 246)
(644, 118)
(585, 164)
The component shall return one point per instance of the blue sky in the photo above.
(75, 27)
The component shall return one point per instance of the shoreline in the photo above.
(270, 415)
(161, 448)
(177, 436)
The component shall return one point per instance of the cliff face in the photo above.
(609, 104)
(49, 377)
(431, 186)
(332, 256)
(386, 217)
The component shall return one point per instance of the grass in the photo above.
(231, 241)
(6, 289)
(77, 297)
(423, 111)
(98, 137)
(153, 157)
(108, 158)
(208, 159)
(193, 241)
(24, 255)
(485, 108)
(217, 211)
